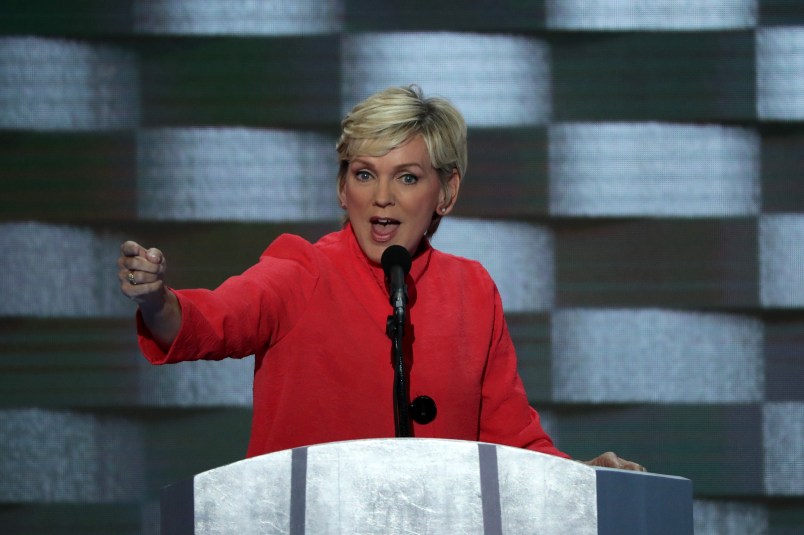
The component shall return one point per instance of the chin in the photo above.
(373, 251)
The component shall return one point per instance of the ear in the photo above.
(341, 194)
(449, 193)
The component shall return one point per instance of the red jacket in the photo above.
(314, 316)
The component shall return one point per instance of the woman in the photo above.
(314, 315)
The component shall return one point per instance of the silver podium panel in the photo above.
(383, 486)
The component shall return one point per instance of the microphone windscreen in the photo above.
(395, 255)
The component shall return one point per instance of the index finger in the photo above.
(132, 248)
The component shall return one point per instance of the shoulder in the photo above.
(289, 253)
(458, 264)
(288, 246)
(465, 272)
(292, 245)
(297, 249)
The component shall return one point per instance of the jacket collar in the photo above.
(419, 262)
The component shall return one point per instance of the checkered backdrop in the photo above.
(634, 187)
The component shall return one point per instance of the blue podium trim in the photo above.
(178, 508)
(634, 503)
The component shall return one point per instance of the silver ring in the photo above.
(131, 280)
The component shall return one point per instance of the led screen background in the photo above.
(634, 188)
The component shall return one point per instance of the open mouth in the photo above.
(383, 228)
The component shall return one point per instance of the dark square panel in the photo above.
(447, 15)
(784, 358)
(717, 447)
(783, 168)
(657, 262)
(57, 17)
(663, 76)
(781, 12)
(67, 176)
(256, 82)
(507, 174)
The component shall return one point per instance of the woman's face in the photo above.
(391, 199)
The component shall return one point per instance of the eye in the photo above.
(409, 178)
(362, 176)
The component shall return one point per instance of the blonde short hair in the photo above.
(388, 119)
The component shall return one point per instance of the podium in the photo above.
(410, 485)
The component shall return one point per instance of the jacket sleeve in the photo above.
(245, 314)
(506, 415)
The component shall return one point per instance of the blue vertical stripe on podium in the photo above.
(490, 489)
(298, 490)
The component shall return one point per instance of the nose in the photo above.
(383, 193)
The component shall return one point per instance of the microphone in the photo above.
(396, 264)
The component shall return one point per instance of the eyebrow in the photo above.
(407, 165)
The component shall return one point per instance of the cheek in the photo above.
(355, 200)
(347, 197)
